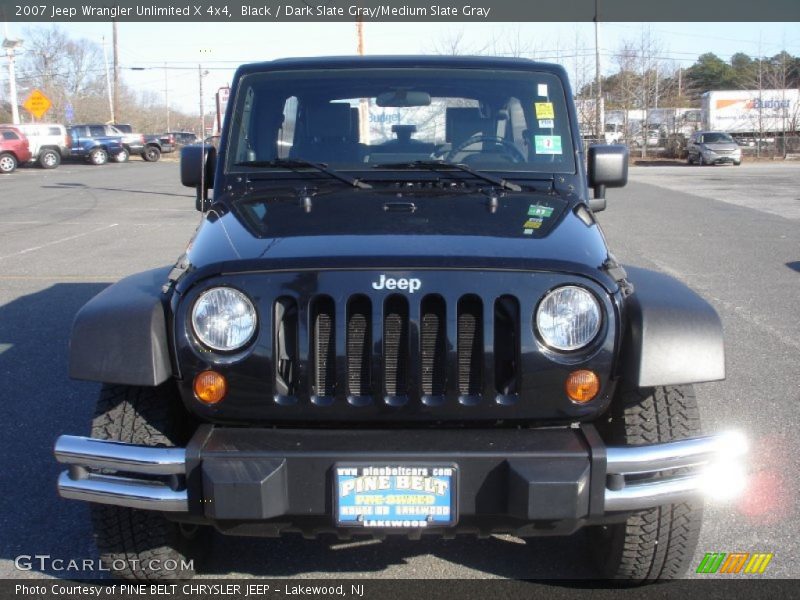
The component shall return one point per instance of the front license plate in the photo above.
(395, 496)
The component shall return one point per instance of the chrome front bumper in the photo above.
(154, 478)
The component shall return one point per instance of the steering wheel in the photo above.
(509, 151)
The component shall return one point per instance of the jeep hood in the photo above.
(364, 229)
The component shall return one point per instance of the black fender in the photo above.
(120, 335)
(673, 336)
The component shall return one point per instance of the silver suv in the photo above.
(713, 147)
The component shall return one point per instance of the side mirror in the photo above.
(197, 171)
(607, 167)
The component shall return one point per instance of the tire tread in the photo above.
(134, 537)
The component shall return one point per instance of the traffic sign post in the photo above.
(37, 104)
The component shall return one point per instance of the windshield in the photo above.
(716, 138)
(364, 118)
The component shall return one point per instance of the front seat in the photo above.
(462, 123)
(328, 134)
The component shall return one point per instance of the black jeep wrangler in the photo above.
(399, 315)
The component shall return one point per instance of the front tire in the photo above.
(133, 543)
(122, 156)
(655, 543)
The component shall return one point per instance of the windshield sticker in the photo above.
(542, 90)
(547, 144)
(544, 110)
(537, 210)
(546, 123)
(530, 225)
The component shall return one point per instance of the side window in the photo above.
(97, 131)
(10, 135)
(286, 132)
(53, 131)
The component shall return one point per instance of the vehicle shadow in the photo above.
(40, 403)
(545, 558)
(72, 186)
(642, 162)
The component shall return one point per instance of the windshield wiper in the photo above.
(299, 163)
(440, 165)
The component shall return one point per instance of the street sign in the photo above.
(37, 104)
(223, 94)
(69, 113)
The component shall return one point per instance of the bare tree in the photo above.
(626, 84)
(66, 70)
(649, 50)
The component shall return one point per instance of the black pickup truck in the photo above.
(153, 145)
(399, 315)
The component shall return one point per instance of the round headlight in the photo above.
(224, 319)
(568, 318)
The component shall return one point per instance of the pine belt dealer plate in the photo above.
(395, 496)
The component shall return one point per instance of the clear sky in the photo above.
(220, 47)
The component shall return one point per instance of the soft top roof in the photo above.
(431, 61)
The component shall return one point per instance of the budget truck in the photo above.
(398, 317)
(752, 114)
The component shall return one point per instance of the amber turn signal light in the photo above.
(210, 387)
(582, 386)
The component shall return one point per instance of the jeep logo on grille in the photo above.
(389, 283)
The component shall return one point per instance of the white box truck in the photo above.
(753, 113)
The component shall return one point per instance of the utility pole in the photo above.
(11, 48)
(598, 99)
(363, 106)
(108, 83)
(116, 69)
(166, 94)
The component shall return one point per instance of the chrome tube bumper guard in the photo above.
(88, 455)
(81, 483)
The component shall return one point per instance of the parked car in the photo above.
(181, 138)
(422, 331)
(713, 148)
(48, 142)
(653, 138)
(153, 146)
(14, 149)
(92, 144)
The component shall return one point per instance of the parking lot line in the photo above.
(58, 241)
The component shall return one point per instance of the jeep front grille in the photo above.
(405, 349)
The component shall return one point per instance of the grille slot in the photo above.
(285, 345)
(359, 343)
(433, 344)
(323, 316)
(506, 345)
(470, 346)
(395, 346)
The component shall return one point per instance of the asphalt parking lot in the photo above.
(731, 233)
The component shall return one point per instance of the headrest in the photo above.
(328, 120)
(463, 122)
